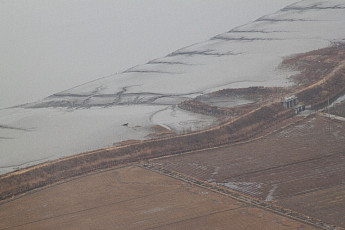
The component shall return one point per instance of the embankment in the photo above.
(259, 94)
(234, 131)
(246, 126)
(329, 88)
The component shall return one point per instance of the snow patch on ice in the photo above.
(182, 121)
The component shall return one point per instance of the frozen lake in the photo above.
(90, 116)
(50, 46)
(31, 136)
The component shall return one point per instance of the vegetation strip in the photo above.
(238, 196)
(238, 130)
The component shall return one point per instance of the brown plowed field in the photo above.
(134, 198)
(305, 157)
(323, 204)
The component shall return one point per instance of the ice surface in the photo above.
(181, 121)
(248, 54)
(36, 135)
(90, 116)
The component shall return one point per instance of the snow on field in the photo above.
(90, 116)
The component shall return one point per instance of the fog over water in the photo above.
(50, 46)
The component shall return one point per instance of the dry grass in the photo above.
(321, 75)
(261, 96)
(160, 131)
(338, 109)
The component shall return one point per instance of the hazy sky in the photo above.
(47, 46)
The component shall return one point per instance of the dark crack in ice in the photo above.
(205, 53)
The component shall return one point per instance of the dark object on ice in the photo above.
(126, 124)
